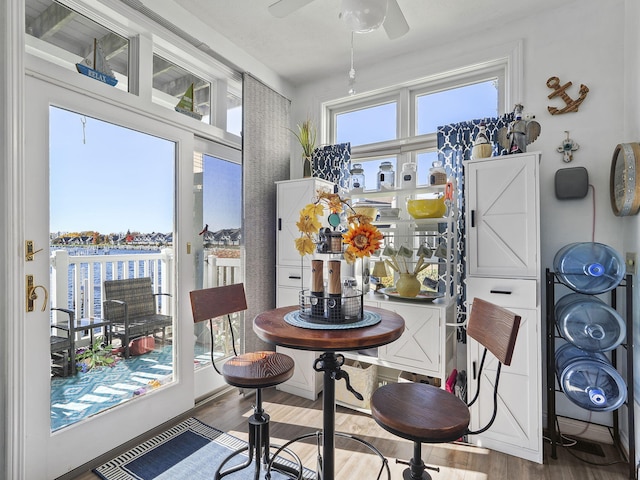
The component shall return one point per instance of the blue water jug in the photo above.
(589, 267)
(589, 380)
(589, 323)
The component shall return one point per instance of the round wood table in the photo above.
(271, 327)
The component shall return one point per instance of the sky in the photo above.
(111, 179)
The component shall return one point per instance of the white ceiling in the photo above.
(313, 42)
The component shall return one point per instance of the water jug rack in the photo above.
(553, 386)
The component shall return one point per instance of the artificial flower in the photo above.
(363, 239)
(305, 245)
(308, 224)
(349, 255)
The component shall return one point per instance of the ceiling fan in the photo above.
(360, 15)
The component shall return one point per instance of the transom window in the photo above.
(87, 35)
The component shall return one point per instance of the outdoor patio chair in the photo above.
(427, 414)
(62, 341)
(256, 370)
(130, 306)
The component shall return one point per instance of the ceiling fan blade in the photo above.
(395, 24)
(282, 8)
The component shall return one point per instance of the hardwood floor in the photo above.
(292, 416)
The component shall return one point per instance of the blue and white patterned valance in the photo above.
(455, 142)
(333, 162)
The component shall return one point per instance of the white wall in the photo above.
(584, 43)
(632, 134)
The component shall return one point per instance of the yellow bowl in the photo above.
(426, 207)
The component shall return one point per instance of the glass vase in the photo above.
(306, 167)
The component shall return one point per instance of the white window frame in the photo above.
(407, 145)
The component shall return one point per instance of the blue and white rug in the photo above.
(79, 396)
(190, 450)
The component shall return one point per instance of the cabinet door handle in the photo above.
(295, 277)
(279, 224)
(501, 292)
(473, 368)
(473, 218)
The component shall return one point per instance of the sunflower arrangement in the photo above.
(362, 237)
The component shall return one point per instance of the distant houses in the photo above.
(221, 238)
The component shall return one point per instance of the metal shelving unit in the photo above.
(431, 231)
(553, 387)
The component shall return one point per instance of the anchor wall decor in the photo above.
(560, 91)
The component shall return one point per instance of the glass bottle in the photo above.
(386, 176)
(356, 181)
(437, 174)
(408, 176)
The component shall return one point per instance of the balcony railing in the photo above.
(77, 281)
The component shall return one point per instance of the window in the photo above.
(376, 128)
(218, 253)
(367, 125)
(172, 83)
(479, 100)
(66, 37)
(111, 217)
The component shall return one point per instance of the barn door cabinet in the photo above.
(503, 251)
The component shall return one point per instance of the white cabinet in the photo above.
(292, 273)
(503, 251)
(502, 216)
(428, 344)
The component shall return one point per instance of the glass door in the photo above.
(100, 205)
(218, 254)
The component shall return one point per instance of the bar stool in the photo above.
(255, 370)
(427, 414)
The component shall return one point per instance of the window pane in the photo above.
(172, 84)
(368, 125)
(470, 102)
(371, 168)
(234, 114)
(425, 162)
(59, 31)
(111, 218)
(218, 207)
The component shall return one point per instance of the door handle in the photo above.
(29, 251)
(32, 294)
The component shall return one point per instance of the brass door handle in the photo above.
(32, 294)
(29, 250)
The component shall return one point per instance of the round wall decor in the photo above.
(624, 181)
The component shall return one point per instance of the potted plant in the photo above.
(97, 355)
(306, 135)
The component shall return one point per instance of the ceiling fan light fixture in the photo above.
(363, 16)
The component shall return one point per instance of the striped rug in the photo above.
(190, 450)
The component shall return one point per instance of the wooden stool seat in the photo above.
(420, 412)
(258, 369)
(426, 414)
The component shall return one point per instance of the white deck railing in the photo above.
(77, 281)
